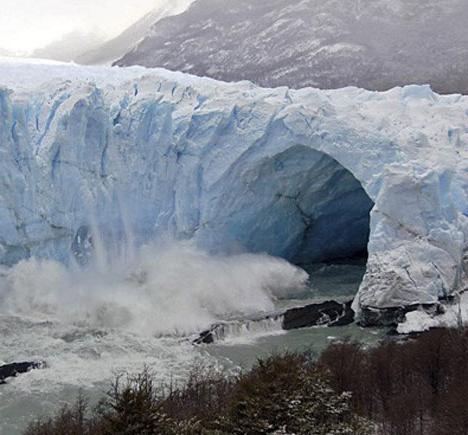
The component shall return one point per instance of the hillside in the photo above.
(323, 43)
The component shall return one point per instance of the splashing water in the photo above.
(120, 311)
(174, 289)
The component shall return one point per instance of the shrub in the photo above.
(281, 395)
(202, 398)
(70, 420)
(287, 394)
(132, 407)
(417, 387)
(413, 388)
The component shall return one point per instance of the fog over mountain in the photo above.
(71, 46)
(4, 52)
(113, 49)
(375, 44)
(84, 31)
(93, 48)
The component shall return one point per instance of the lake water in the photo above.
(85, 347)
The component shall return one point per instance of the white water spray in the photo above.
(166, 289)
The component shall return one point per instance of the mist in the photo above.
(68, 28)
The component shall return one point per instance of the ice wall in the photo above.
(234, 166)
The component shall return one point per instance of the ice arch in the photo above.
(178, 151)
(299, 204)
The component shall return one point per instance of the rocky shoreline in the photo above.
(331, 314)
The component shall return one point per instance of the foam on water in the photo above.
(79, 357)
(120, 312)
(245, 331)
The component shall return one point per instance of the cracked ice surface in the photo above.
(183, 154)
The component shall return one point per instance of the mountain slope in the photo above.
(375, 44)
(116, 47)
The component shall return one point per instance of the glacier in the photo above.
(307, 175)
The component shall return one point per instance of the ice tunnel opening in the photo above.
(299, 204)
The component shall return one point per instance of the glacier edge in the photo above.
(79, 144)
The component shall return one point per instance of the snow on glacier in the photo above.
(235, 166)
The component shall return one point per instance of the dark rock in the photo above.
(222, 330)
(392, 316)
(206, 337)
(347, 318)
(14, 369)
(329, 313)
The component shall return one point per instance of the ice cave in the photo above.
(299, 204)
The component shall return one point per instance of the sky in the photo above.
(26, 25)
